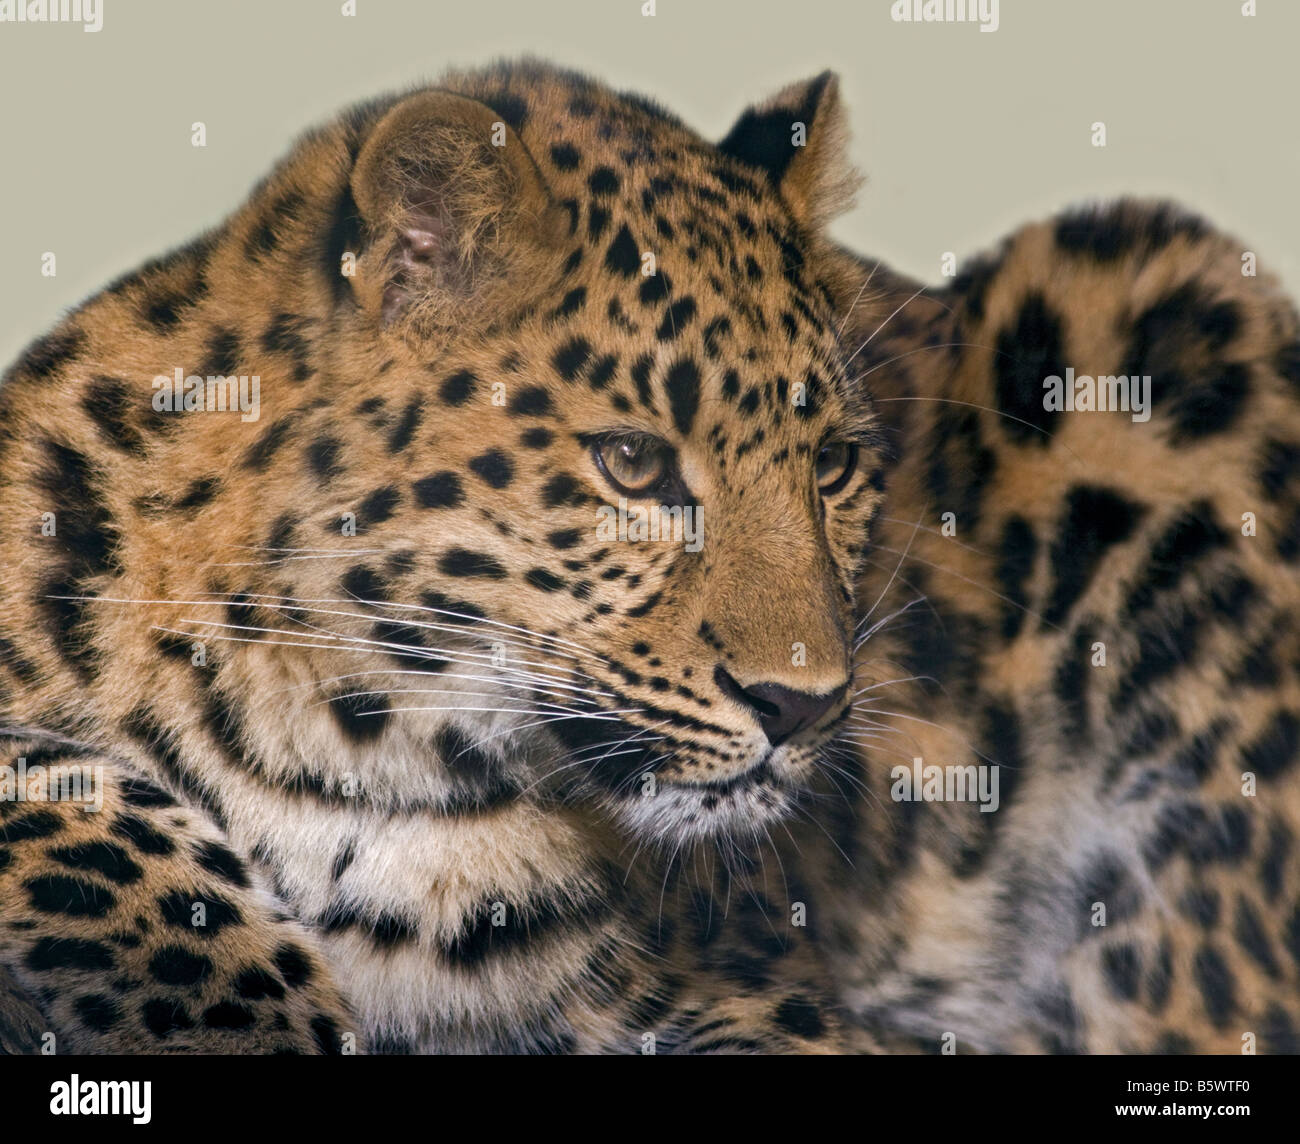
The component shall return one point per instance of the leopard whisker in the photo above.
(925, 599)
(554, 718)
(937, 726)
(286, 559)
(975, 405)
(466, 656)
(629, 740)
(599, 710)
(558, 689)
(457, 629)
(806, 817)
(889, 583)
(544, 709)
(887, 683)
(449, 691)
(844, 321)
(975, 583)
(290, 603)
(872, 745)
(882, 325)
(939, 533)
(331, 551)
(879, 624)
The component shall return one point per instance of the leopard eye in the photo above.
(835, 464)
(634, 465)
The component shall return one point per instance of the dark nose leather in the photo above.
(782, 711)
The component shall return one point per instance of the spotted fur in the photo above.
(1125, 786)
(515, 780)
(361, 679)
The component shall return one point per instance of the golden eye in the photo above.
(635, 465)
(835, 465)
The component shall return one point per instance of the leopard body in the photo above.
(395, 751)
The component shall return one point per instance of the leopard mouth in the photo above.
(760, 773)
(665, 789)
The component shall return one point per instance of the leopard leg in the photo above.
(135, 928)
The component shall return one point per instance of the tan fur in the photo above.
(476, 881)
(1011, 939)
(512, 787)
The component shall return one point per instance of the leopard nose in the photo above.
(781, 711)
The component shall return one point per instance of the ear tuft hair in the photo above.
(799, 138)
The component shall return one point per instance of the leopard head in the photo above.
(611, 480)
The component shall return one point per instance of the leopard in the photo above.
(394, 748)
(396, 743)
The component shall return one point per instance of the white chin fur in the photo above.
(680, 815)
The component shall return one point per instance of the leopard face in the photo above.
(675, 357)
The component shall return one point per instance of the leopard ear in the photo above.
(454, 207)
(800, 138)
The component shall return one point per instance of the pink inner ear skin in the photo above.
(419, 244)
(417, 249)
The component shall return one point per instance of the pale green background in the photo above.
(963, 133)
